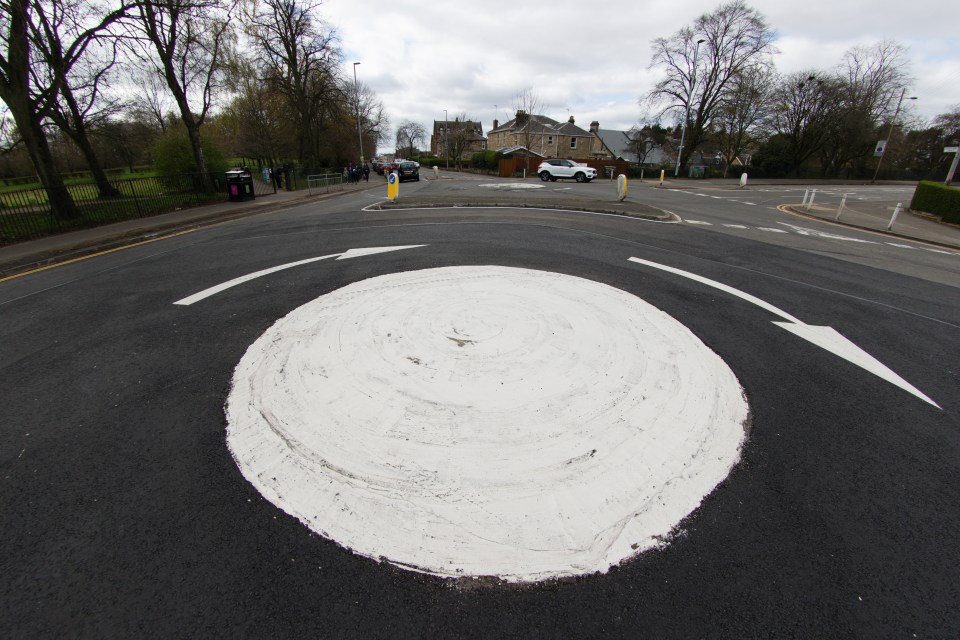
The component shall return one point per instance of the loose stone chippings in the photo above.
(485, 421)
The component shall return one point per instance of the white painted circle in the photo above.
(485, 421)
(512, 186)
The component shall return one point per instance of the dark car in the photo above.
(408, 171)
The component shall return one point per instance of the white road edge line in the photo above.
(825, 337)
(350, 253)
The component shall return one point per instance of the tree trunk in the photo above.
(78, 132)
(15, 92)
(35, 141)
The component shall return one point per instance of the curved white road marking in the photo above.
(350, 253)
(513, 186)
(825, 337)
(485, 421)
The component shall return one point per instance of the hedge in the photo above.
(940, 200)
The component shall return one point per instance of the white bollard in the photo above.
(806, 194)
(621, 187)
(641, 175)
(893, 219)
(843, 201)
(436, 172)
(813, 194)
(743, 180)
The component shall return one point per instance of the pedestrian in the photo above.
(366, 172)
(278, 177)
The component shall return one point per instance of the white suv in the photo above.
(553, 169)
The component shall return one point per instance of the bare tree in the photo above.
(298, 55)
(30, 84)
(527, 103)
(804, 106)
(409, 134)
(869, 80)
(188, 42)
(643, 140)
(733, 40)
(81, 106)
(374, 121)
(742, 111)
(258, 116)
(461, 133)
(152, 101)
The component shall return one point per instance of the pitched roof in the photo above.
(509, 150)
(542, 124)
(619, 144)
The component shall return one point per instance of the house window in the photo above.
(549, 139)
(573, 143)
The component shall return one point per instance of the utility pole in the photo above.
(446, 137)
(890, 133)
(356, 91)
(693, 83)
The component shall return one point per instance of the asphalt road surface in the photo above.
(125, 514)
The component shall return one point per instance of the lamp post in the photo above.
(446, 137)
(356, 91)
(890, 133)
(693, 83)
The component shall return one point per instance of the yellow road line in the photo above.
(99, 253)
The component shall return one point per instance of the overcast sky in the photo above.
(592, 63)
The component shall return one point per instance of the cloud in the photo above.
(592, 60)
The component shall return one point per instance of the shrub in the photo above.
(173, 155)
(940, 200)
(488, 159)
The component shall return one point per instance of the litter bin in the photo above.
(239, 185)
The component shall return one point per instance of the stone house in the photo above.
(449, 136)
(538, 135)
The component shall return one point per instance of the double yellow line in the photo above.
(99, 253)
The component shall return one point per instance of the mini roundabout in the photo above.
(485, 422)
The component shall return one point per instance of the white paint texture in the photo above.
(485, 421)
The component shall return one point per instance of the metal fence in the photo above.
(324, 183)
(26, 214)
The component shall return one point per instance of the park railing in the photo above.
(324, 183)
(25, 214)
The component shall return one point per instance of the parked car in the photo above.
(408, 171)
(554, 169)
(386, 168)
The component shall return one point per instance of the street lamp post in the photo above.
(356, 91)
(693, 83)
(446, 137)
(890, 133)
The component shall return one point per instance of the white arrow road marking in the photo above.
(825, 337)
(350, 253)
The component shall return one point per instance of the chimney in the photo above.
(495, 124)
(594, 127)
(571, 120)
(522, 118)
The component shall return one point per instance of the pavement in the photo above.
(36, 254)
